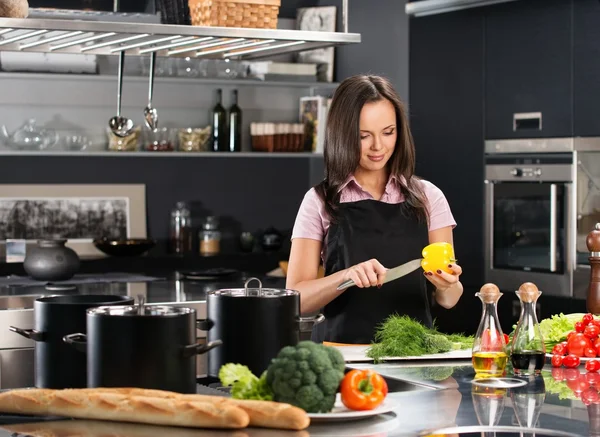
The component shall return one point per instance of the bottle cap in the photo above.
(489, 293)
(528, 292)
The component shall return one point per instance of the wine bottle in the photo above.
(235, 125)
(219, 127)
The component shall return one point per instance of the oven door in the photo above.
(529, 237)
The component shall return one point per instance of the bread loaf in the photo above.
(87, 404)
(14, 8)
(263, 414)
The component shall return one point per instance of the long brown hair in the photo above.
(343, 145)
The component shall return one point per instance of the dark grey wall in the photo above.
(384, 29)
(246, 193)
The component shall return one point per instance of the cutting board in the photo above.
(358, 354)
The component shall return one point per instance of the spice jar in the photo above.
(210, 237)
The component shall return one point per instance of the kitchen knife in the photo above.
(391, 274)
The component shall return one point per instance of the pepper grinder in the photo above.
(593, 295)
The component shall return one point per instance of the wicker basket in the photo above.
(242, 13)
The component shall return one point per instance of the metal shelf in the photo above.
(145, 154)
(138, 39)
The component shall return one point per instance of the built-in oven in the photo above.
(541, 198)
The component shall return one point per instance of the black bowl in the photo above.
(125, 247)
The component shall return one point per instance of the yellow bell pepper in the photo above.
(438, 256)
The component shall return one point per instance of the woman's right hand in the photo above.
(366, 274)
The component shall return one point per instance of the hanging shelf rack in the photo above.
(139, 39)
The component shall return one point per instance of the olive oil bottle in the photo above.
(489, 348)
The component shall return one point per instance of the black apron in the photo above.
(391, 234)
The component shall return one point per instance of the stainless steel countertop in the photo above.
(451, 402)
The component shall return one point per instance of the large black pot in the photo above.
(153, 347)
(56, 364)
(254, 325)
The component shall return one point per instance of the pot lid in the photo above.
(141, 310)
(254, 292)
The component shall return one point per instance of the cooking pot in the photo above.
(56, 364)
(254, 324)
(153, 347)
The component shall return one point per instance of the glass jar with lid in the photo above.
(210, 237)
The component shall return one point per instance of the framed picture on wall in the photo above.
(318, 19)
(313, 115)
(78, 213)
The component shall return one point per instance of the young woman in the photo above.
(370, 213)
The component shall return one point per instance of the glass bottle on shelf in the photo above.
(219, 125)
(528, 351)
(210, 237)
(235, 125)
(489, 347)
(181, 229)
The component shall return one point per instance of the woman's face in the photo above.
(378, 134)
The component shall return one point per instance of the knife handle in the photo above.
(346, 284)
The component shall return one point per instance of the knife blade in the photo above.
(391, 274)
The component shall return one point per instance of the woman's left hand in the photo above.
(443, 280)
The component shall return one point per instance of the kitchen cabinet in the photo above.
(586, 67)
(528, 64)
(446, 116)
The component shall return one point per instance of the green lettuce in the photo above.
(244, 384)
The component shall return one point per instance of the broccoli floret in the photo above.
(436, 343)
(307, 375)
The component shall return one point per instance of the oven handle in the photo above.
(553, 228)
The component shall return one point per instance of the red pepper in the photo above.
(363, 389)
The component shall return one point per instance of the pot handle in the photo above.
(204, 324)
(77, 341)
(199, 348)
(31, 334)
(308, 323)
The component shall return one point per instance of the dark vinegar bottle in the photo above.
(235, 125)
(219, 125)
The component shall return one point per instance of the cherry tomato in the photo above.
(557, 360)
(579, 327)
(590, 352)
(558, 373)
(595, 322)
(506, 339)
(559, 349)
(571, 374)
(571, 361)
(592, 366)
(592, 377)
(586, 319)
(590, 395)
(591, 331)
(578, 343)
(363, 389)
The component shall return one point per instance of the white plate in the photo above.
(581, 359)
(340, 412)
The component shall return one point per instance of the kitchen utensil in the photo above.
(51, 260)
(254, 324)
(124, 247)
(120, 126)
(145, 346)
(391, 274)
(29, 137)
(57, 365)
(150, 113)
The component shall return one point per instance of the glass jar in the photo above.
(210, 237)
(181, 229)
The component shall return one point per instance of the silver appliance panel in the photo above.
(542, 145)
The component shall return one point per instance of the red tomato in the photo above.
(592, 377)
(578, 343)
(557, 360)
(592, 366)
(571, 361)
(591, 331)
(491, 341)
(571, 334)
(590, 395)
(595, 322)
(506, 339)
(579, 327)
(559, 349)
(586, 319)
(597, 343)
(558, 373)
(571, 374)
(590, 352)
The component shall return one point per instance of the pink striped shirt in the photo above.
(312, 221)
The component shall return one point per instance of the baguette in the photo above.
(265, 414)
(103, 405)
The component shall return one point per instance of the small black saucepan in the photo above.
(57, 365)
(145, 346)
